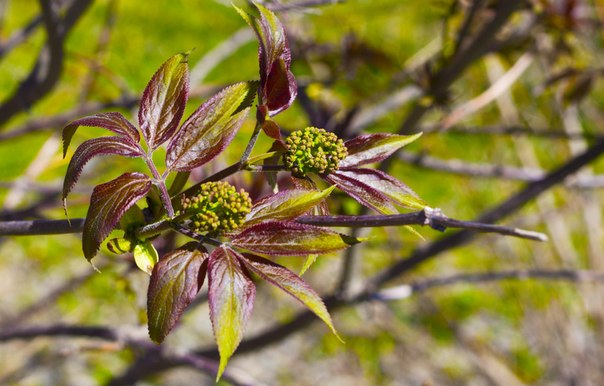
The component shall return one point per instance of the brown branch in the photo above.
(49, 65)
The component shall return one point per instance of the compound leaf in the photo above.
(108, 203)
(96, 147)
(210, 129)
(113, 121)
(290, 283)
(286, 205)
(370, 148)
(231, 297)
(164, 100)
(175, 281)
(286, 238)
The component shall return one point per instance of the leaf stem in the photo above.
(251, 143)
(161, 184)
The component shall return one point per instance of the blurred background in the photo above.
(509, 98)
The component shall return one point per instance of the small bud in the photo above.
(313, 150)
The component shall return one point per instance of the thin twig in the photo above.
(513, 131)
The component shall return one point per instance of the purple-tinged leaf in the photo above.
(231, 297)
(164, 100)
(286, 205)
(362, 192)
(370, 148)
(210, 129)
(278, 87)
(307, 184)
(93, 148)
(115, 122)
(377, 185)
(108, 203)
(290, 283)
(285, 238)
(175, 281)
(272, 129)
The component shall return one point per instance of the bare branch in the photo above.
(49, 65)
(512, 130)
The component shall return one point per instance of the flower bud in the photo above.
(313, 150)
(216, 207)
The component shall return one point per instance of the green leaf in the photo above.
(371, 148)
(119, 245)
(286, 238)
(133, 217)
(164, 100)
(290, 283)
(211, 128)
(175, 281)
(145, 256)
(108, 203)
(286, 205)
(231, 297)
(310, 260)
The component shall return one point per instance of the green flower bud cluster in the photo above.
(216, 207)
(313, 150)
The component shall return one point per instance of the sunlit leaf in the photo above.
(283, 238)
(370, 148)
(362, 192)
(285, 205)
(109, 201)
(145, 256)
(231, 297)
(310, 260)
(175, 281)
(278, 87)
(96, 147)
(397, 192)
(210, 129)
(290, 283)
(164, 100)
(115, 122)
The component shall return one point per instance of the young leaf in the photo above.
(175, 281)
(115, 122)
(362, 192)
(290, 283)
(285, 238)
(164, 100)
(231, 297)
(370, 148)
(145, 256)
(109, 201)
(210, 129)
(96, 147)
(397, 192)
(278, 87)
(286, 204)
